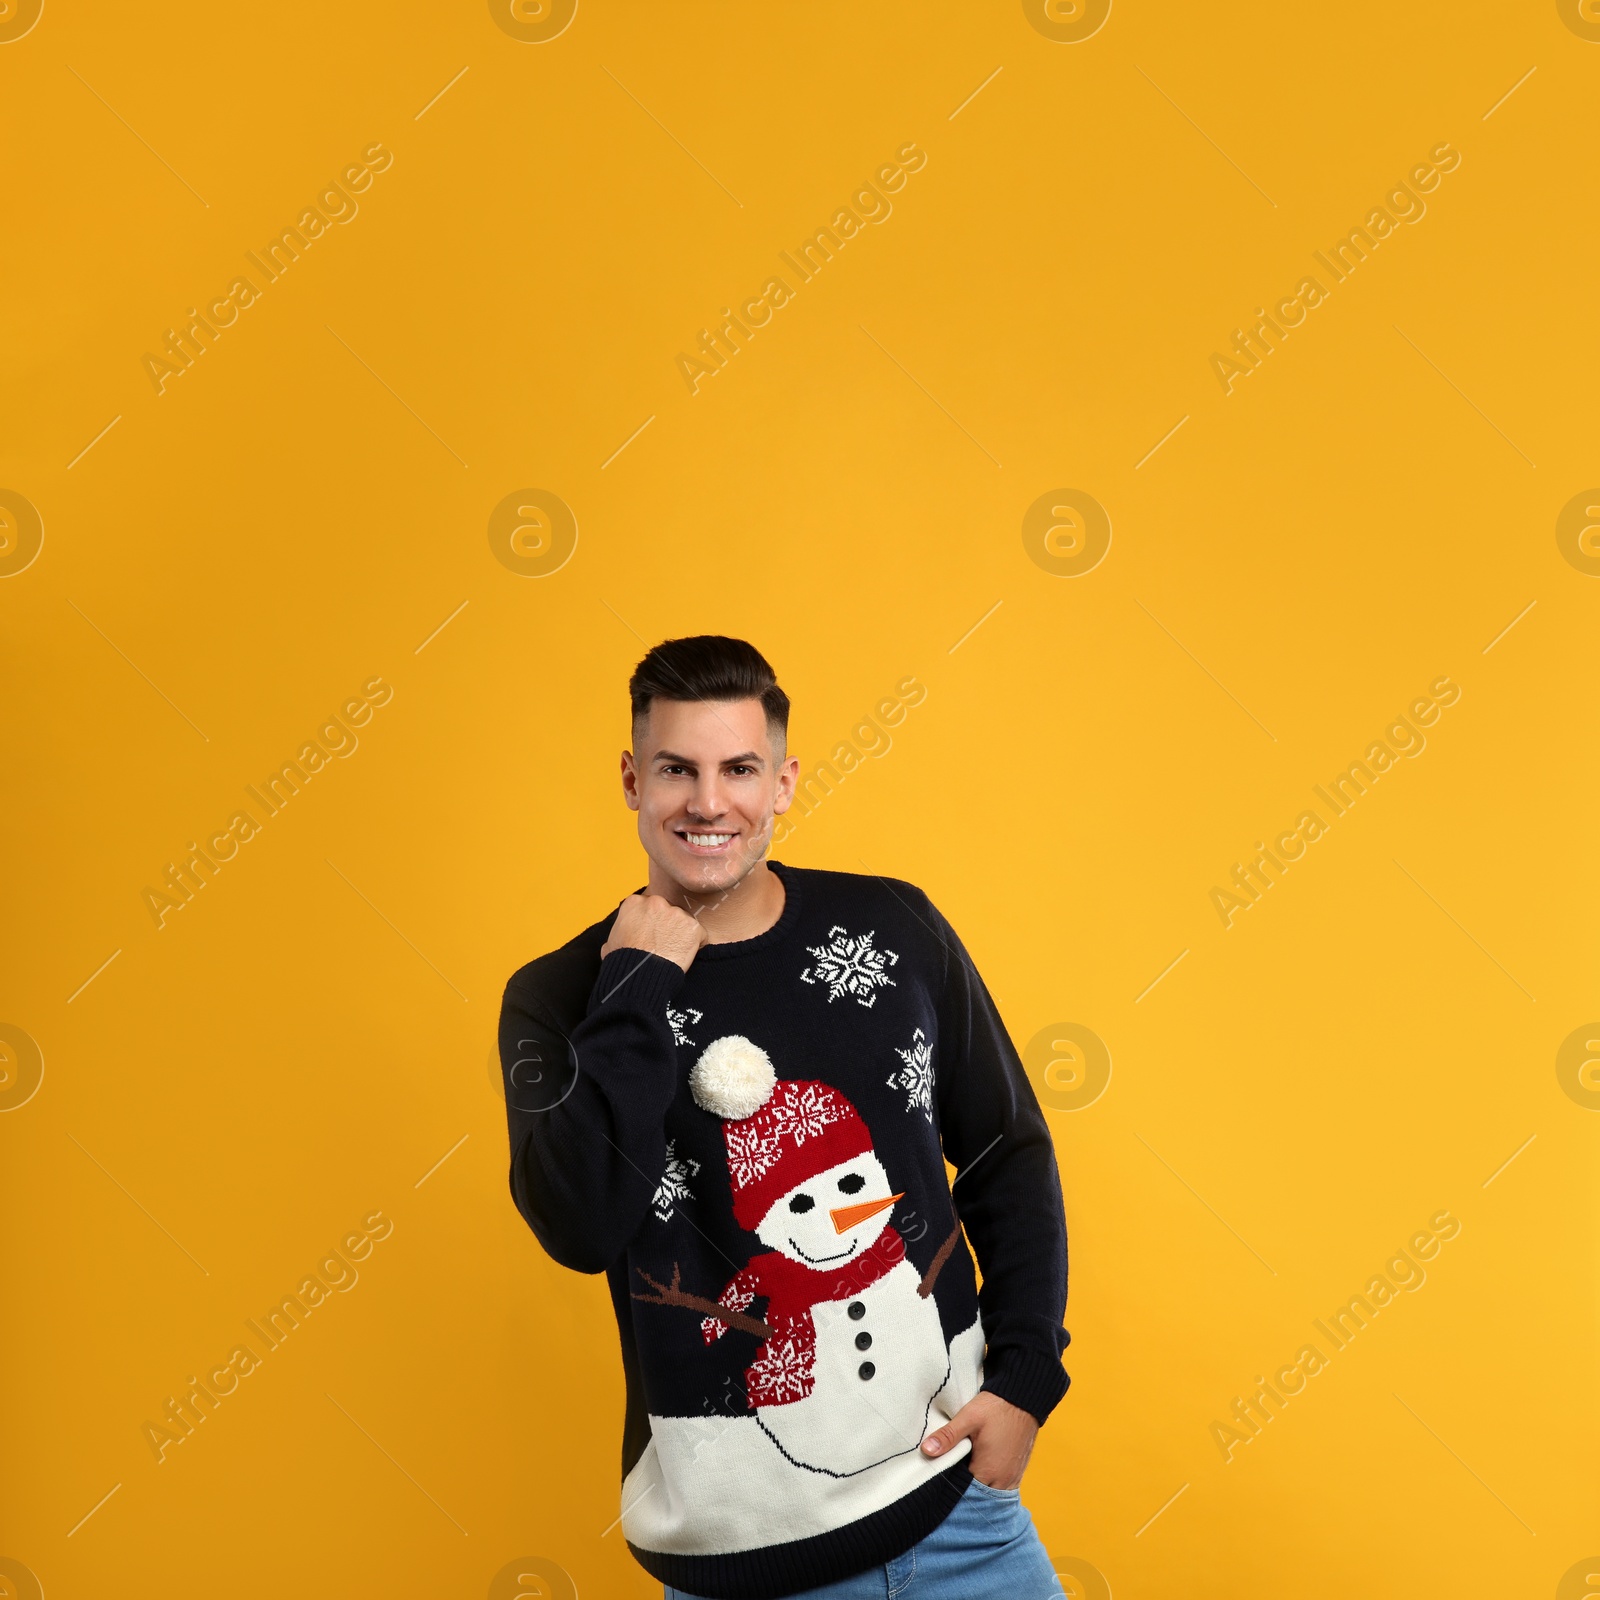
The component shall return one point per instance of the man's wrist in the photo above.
(1031, 1382)
(645, 950)
(629, 976)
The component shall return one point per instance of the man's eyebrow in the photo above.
(749, 758)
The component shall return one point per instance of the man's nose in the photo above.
(707, 801)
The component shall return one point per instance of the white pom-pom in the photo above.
(733, 1077)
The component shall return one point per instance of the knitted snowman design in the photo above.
(853, 1352)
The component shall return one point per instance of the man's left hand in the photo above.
(1002, 1438)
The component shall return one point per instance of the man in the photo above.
(735, 1096)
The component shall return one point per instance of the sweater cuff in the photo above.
(637, 979)
(1027, 1380)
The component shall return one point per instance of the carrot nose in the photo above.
(846, 1217)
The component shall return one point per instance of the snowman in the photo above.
(853, 1353)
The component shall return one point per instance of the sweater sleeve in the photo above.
(1007, 1191)
(587, 1105)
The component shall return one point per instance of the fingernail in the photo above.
(932, 1446)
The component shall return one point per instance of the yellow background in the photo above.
(300, 511)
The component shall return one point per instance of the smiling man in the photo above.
(735, 1096)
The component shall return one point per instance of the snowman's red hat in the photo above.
(778, 1132)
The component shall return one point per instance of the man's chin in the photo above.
(710, 877)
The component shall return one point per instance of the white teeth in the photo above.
(708, 841)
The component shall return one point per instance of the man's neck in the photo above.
(748, 909)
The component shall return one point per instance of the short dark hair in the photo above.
(709, 667)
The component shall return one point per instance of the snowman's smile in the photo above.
(817, 1261)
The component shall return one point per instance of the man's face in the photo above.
(706, 783)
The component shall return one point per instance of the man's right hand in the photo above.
(651, 922)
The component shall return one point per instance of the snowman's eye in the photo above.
(801, 1202)
(854, 1183)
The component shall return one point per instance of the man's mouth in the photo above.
(706, 844)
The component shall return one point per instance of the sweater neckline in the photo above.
(779, 930)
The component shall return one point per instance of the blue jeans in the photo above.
(986, 1549)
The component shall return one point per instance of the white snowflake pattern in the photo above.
(916, 1076)
(752, 1149)
(783, 1371)
(805, 1114)
(736, 1297)
(850, 964)
(681, 1021)
(674, 1185)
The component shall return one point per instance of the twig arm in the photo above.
(936, 1266)
(671, 1294)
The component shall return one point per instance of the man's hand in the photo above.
(1002, 1439)
(650, 922)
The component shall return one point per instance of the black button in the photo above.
(866, 1369)
(863, 1341)
(857, 1311)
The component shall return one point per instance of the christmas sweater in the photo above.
(754, 1153)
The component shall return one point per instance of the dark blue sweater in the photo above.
(862, 988)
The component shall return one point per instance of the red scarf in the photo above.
(792, 1288)
(784, 1368)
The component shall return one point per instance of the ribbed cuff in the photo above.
(637, 978)
(1032, 1382)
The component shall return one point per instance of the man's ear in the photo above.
(788, 774)
(630, 781)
